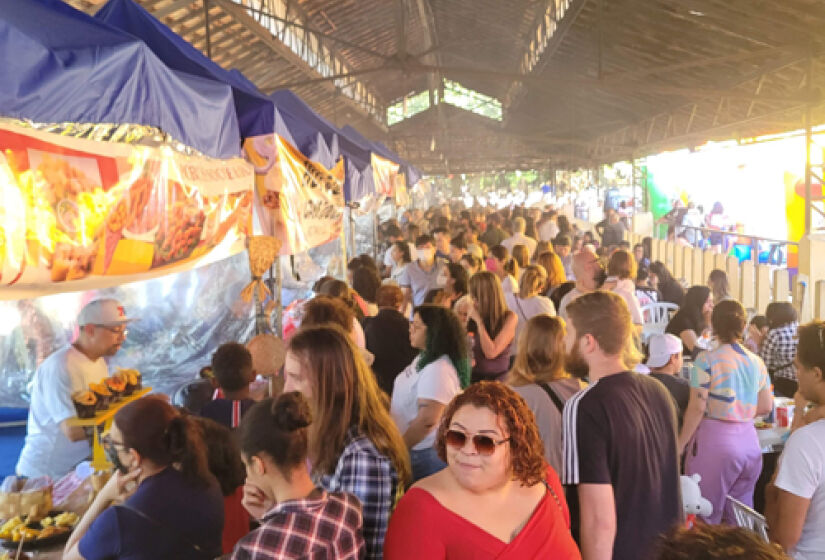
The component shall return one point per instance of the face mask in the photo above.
(114, 458)
(425, 255)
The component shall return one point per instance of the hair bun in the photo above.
(291, 412)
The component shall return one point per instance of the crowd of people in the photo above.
(481, 390)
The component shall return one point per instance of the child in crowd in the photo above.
(232, 366)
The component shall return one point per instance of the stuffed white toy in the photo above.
(692, 501)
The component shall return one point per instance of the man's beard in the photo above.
(575, 363)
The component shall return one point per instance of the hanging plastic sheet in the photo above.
(299, 201)
(79, 214)
(181, 319)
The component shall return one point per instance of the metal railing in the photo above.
(775, 250)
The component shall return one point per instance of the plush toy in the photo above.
(692, 501)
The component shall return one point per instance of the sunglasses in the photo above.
(117, 331)
(484, 445)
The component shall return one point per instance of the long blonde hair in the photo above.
(485, 288)
(553, 266)
(346, 395)
(540, 355)
(532, 282)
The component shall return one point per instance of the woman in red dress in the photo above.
(497, 498)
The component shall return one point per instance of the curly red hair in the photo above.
(526, 447)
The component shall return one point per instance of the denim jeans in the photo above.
(425, 462)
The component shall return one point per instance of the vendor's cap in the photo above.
(662, 347)
(106, 311)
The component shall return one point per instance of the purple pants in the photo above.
(728, 458)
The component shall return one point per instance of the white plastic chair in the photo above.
(656, 316)
(749, 518)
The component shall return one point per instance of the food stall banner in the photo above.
(385, 173)
(298, 201)
(323, 142)
(77, 214)
(58, 64)
(412, 174)
(254, 110)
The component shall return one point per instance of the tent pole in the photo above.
(208, 33)
(278, 313)
(375, 234)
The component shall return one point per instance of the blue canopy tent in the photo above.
(58, 64)
(411, 173)
(254, 110)
(311, 134)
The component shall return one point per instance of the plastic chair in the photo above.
(656, 316)
(748, 518)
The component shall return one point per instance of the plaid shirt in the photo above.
(316, 528)
(371, 477)
(779, 351)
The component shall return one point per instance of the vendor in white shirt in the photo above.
(53, 447)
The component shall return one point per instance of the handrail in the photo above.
(735, 234)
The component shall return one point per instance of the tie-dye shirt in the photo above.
(733, 377)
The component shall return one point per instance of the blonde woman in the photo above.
(493, 327)
(529, 301)
(555, 270)
(538, 375)
(522, 258)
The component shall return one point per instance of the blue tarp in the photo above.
(412, 174)
(322, 141)
(58, 64)
(254, 110)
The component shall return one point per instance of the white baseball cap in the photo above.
(661, 348)
(105, 311)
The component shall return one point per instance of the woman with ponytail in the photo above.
(353, 443)
(429, 383)
(305, 520)
(169, 504)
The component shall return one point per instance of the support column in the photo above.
(732, 270)
(812, 265)
(781, 285)
(747, 285)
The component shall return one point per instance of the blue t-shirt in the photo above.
(185, 515)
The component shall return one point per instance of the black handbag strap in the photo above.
(518, 303)
(553, 396)
(169, 530)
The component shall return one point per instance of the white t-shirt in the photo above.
(525, 309)
(520, 239)
(627, 289)
(548, 230)
(802, 473)
(509, 285)
(565, 301)
(437, 381)
(47, 451)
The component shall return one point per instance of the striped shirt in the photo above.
(621, 431)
